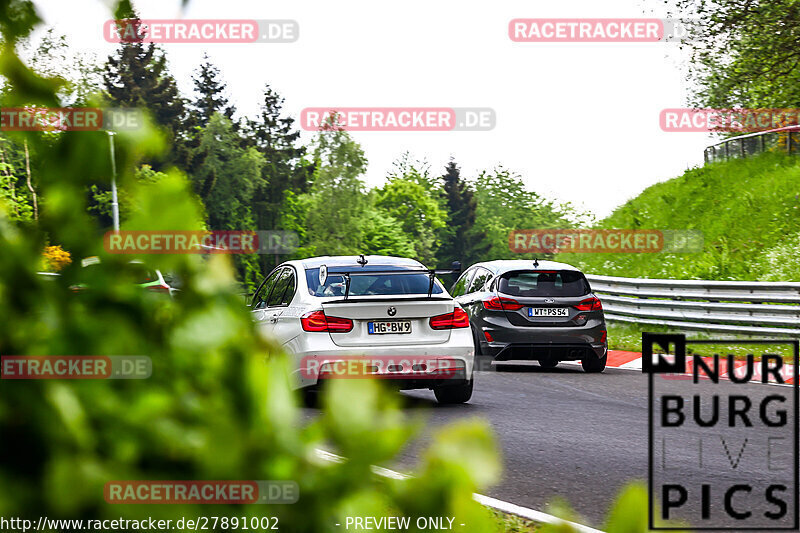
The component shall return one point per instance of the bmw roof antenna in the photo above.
(535, 263)
(361, 260)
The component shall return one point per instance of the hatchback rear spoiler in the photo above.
(430, 272)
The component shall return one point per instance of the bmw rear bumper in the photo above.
(421, 366)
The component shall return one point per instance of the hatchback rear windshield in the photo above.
(531, 283)
(369, 285)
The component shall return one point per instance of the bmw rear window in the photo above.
(369, 285)
(532, 283)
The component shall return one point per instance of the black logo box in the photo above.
(678, 366)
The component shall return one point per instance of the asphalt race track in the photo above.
(564, 433)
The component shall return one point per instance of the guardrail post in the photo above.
(727, 155)
(789, 143)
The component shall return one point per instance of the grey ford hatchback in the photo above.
(529, 310)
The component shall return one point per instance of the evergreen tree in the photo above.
(462, 241)
(136, 75)
(210, 98)
(286, 169)
(229, 177)
(275, 136)
(211, 94)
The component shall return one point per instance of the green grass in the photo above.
(747, 210)
(509, 523)
(628, 336)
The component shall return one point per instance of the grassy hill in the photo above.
(747, 210)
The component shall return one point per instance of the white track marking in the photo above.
(500, 505)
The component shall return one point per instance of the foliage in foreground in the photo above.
(218, 404)
(627, 515)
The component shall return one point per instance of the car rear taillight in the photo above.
(457, 319)
(590, 304)
(603, 337)
(319, 321)
(495, 303)
(158, 288)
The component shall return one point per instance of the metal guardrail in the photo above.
(778, 140)
(743, 307)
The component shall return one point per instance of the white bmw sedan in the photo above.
(368, 316)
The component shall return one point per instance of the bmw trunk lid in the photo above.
(396, 321)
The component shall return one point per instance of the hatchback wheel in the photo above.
(593, 364)
(452, 394)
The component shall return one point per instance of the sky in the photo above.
(579, 122)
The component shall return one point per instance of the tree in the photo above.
(338, 201)
(285, 170)
(136, 75)
(415, 211)
(226, 183)
(210, 94)
(462, 241)
(79, 72)
(505, 204)
(228, 178)
(418, 171)
(101, 196)
(14, 180)
(745, 53)
(382, 235)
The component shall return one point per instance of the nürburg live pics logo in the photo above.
(723, 433)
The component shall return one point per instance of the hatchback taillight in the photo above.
(457, 319)
(590, 304)
(495, 303)
(319, 321)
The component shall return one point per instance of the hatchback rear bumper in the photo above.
(552, 351)
(563, 343)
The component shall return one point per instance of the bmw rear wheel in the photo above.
(310, 396)
(453, 394)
